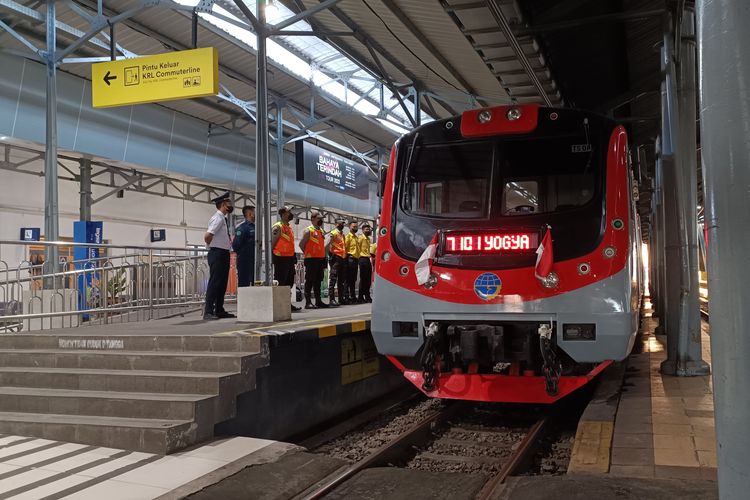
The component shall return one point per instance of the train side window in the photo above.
(520, 197)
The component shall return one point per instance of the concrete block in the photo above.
(264, 304)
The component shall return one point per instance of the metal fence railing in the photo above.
(120, 284)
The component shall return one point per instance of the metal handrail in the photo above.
(63, 274)
(142, 280)
(202, 249)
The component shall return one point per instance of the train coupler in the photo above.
(428, 359)
(551, 368)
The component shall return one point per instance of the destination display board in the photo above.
(182, 74)
(483, 242)
(320, 167)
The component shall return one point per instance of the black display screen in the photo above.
(320, 167)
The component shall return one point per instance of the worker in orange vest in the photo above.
(284, 258)
(313, 247)
(337, 261)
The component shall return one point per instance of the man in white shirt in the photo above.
(219, 244)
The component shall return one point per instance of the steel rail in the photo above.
(518, 460)
(388, 452)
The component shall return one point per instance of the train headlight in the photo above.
(609, 252)
(579, 331)
(386, 256)
(513, 114)
(551, 281)
(484, 116)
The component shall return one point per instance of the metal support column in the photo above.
(417, 106)
(51, 209)
(661, 249)
(656, 244)
(280, 154)
(669, 151)
(725, 107)
(262, 160)
(85, 190)
(684, 337)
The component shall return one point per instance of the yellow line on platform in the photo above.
(311, 322)
(359, 326)
(326, 331)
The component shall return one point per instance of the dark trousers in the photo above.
(218, 264)
(245, 270)
(313, 276)
(352, 265)
(283, 270)
(365, 278)
(337, 277)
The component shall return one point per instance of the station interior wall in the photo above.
(151, 138)
(127, 220)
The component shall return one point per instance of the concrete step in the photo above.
(176, 382)
(125, 360)
(202, 408)
(173, 343)
(137, 434)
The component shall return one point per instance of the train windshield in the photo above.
(450, 180)
(504, 184)
(510, 178)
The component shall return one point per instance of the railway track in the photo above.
(455, 437)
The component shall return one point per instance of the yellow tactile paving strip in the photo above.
(592, 448)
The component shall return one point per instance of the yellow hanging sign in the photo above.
(183, 74)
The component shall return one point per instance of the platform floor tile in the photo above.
(665, 425)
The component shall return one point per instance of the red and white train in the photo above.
(508, 259)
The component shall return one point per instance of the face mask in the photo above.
(230, 209)
(340, 227)
(320, 223)
(354, 230)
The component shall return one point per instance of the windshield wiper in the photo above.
(408, 165)
(411, 153)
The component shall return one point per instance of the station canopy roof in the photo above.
(350, 72)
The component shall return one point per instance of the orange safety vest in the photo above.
(337, 243)
(315, 248)
(285, 245)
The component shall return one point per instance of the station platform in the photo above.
(665, 424)
(164, 385)
(650, 425)
(33, 468)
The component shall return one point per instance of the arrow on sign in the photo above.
(108, 78)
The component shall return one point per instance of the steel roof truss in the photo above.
(302, 16)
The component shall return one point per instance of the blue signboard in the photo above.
(158, 235)
(30, 234)
(86, 258)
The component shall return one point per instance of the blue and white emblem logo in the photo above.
(487, 286)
